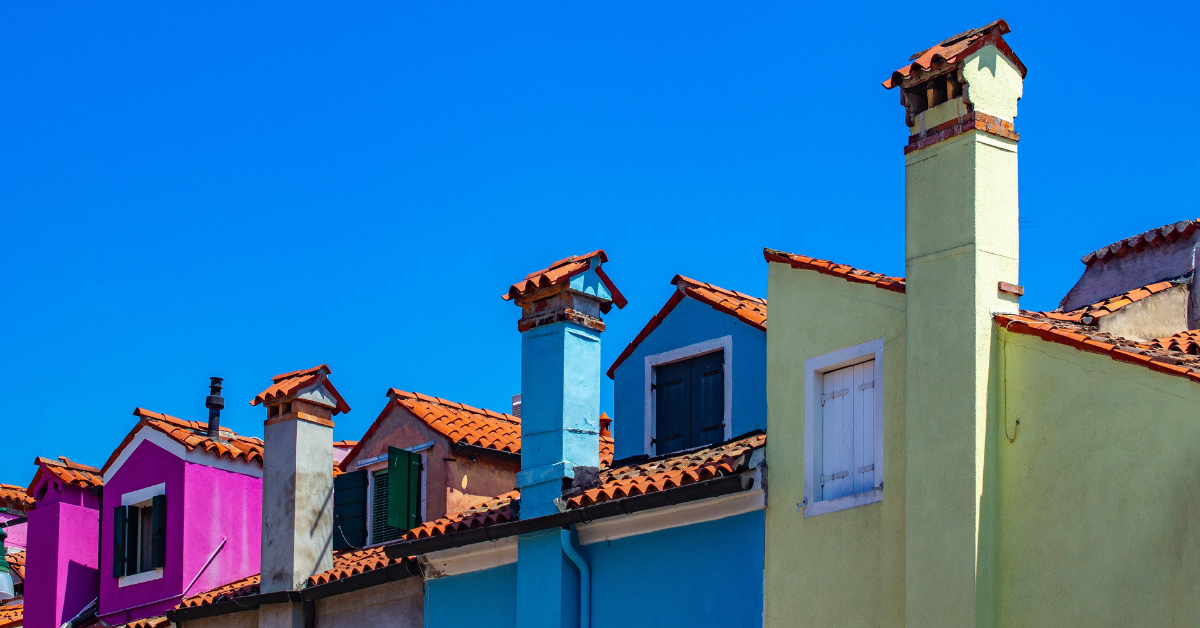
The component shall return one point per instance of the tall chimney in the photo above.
(215, 402)
(560, 327)
(960, 99)
(297, 521)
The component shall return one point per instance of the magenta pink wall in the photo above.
(59, 493)
(203, 505)
(16, 533)
(60, 563)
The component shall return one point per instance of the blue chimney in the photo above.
(561, 309)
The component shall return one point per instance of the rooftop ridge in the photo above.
(446, 403)
(849, 273)
(1136, 244)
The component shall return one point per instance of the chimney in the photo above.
(516, 406)
(215, 402)
(297, 519)
(560, 327)
(960, 100)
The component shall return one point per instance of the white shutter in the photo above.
(848, 431)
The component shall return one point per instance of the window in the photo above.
(350, 510)
(382, 500)
(689, 398)
(139, 535)
(843, 429)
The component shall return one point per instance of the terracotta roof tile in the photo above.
(1184, 342)
(650, 476)
(1157, 355)
(287, 383)
(849, 273)
(13, 496)
(193, 435)
(461, 423)
(68, 472)
(11, 615)
(951, 51)
(149, 622)
(561, 272)
(224, 593)
(1140, 242)
(16, 561)
(748, 309)
(345, 444)
(1089, 314)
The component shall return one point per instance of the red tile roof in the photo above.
(461, 423)
(1156, 355)
(149, 622)
(1140, 242)
(849, 273)
(748, 309)
(13, 496)
(345, 444)
(289, 383)
(1089, 314)
(16, 561)
(68, 472)
(1183, 342)
(193, 435)
(11, 615)
(952, 51)
(224, 593)
(652, 476)
(561, 272)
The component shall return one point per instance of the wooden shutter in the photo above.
(118, 554)
(380, 530)
(132, 519)
(847, 430)
(158, 523)
(404, 489)
(672, 405)
(350, 510)
(708, 399)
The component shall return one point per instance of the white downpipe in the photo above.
(585, 578)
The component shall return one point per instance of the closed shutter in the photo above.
(132, 519)
(404, 489)
(848, 431)
(350, 510)
(158, 549)
(689, 403)
(380, 530)
(118, 554)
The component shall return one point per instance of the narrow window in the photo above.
(139, 537)
(689, 398)
(847, 431)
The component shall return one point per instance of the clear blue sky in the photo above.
(242, 189)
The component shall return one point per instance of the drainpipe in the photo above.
(585, 578)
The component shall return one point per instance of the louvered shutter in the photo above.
(118, 554)
(707, 399)
(404, 489)
(350, 510)
(132, 519)
(158, 524)
(847, 431)
(672, 405)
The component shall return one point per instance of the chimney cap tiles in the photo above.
(288, 386)
(950, 52)
(562, 275)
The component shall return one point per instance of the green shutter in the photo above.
(118, 555)
(350, 510)
(158, 516)
(133, 520)
(404, 489)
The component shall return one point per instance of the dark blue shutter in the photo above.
(350, 510)
(118, 554)
(132, 520)
(158, 519)
(671, 406)
(689, 403)
(708, 399)
(404, 489)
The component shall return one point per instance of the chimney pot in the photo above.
(215, 402)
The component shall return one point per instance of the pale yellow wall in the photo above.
(993, 83)
(1157, 316)
(1098, 498)
(844, 568)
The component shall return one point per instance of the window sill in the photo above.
(842, 503)
(138, 578)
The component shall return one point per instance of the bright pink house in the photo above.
(166, 475)
(61, 537)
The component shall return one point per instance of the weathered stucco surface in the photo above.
(400, 604)
(844, 568)
(1157, 316)
(245, 619)
(993, 83)
(297, 520)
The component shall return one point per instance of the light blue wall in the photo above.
(689, 323)
(707, 574)
(487, 597)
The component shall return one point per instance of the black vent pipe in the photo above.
(214, 403)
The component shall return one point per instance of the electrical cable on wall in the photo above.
(1004, 378)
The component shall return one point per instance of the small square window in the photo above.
(843, 429)
(139, 537)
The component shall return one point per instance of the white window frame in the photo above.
(371, 468)
(724, 343)
(142, 498)
(814, 369)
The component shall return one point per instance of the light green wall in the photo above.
(1098, 498)
(845, 568)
